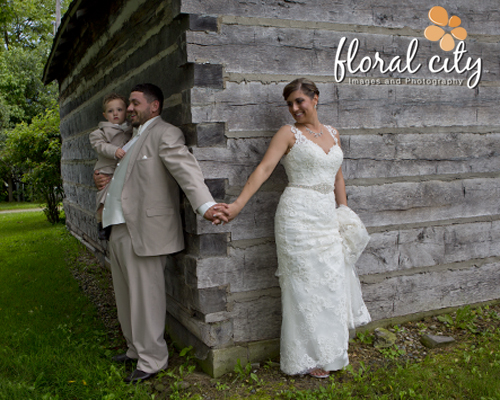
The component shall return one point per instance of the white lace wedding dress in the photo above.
(321, 295)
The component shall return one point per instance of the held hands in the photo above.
(217, 214)
(119, 153)
(101, 180)
(222, 213)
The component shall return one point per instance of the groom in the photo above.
(142, 207)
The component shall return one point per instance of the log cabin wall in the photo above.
(422, 150)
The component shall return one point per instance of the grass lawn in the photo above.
(53, 345)
(466, 372)
(4, 206)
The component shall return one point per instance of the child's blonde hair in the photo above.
(113, 96)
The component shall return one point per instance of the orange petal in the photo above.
(434, 33)
(454, 21)
(447, 43)
(438, 15)
(459, 33)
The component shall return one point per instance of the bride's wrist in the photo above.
(238, 205)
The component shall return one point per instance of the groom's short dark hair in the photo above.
(151, 92)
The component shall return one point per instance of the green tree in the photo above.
(36, 149)
(26, 23)
(26, 33)
(8, 172)
(22, 93)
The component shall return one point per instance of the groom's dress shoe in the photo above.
(122, 359)
(138, 376)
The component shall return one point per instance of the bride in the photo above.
(317, 242)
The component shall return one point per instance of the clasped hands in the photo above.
(217, 214)
(222, 213)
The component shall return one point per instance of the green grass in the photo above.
(52, 346)
(4, 206)
(467, 372)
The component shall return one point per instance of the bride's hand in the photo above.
(234, 210)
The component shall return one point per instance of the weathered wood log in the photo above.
(256, 316)
(347, 106)
(402, 295)
(428, 247)
(409, 202)
(480, 19)
(372, 156)
(314, 51)
(245, 269)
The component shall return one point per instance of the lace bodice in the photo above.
(307, 163)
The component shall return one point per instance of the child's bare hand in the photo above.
(120, 153)
(101, 180)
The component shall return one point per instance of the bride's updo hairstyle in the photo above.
(304, 84)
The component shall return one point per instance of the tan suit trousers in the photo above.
(139, 284)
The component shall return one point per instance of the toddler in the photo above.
(107, 141)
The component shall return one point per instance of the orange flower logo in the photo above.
(439, 16)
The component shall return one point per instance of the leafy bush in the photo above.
(36, 150)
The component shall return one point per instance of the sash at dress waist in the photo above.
(322, 188)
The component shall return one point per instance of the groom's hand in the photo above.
(217, 214)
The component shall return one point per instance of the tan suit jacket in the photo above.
(105, 141)
(160, 162)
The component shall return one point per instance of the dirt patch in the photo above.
(183, 377)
